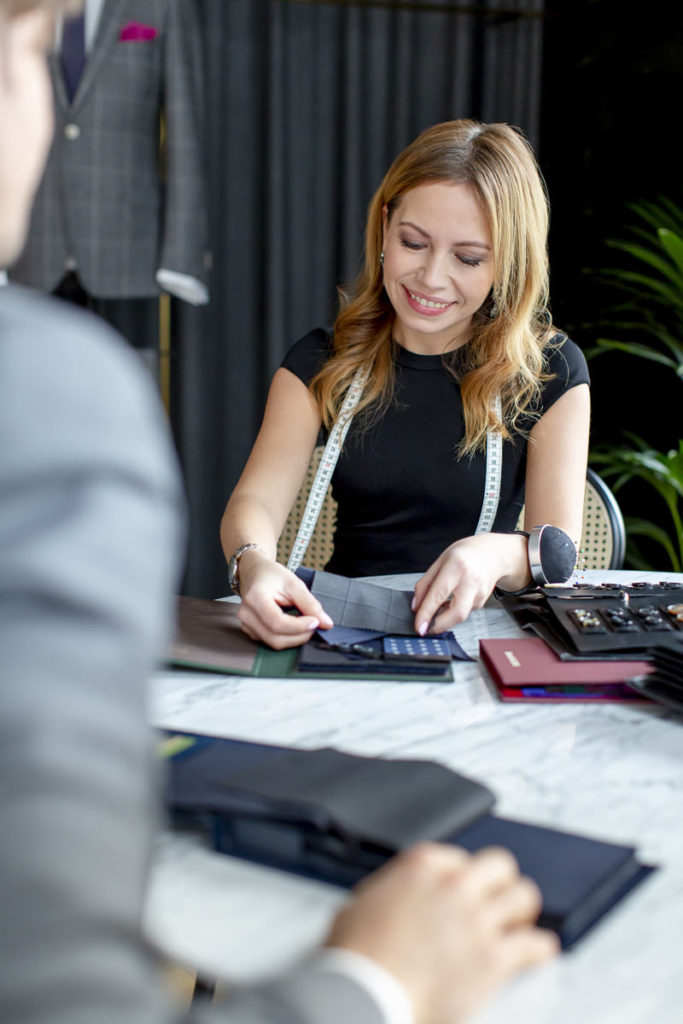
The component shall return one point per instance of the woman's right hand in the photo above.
(266, 588)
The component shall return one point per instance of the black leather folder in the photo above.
(208, 637)
(333, 816)
(665, 683)
(378, 803)
(606, 622)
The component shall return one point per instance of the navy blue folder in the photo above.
(336, 817)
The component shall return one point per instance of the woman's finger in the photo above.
(437, 597)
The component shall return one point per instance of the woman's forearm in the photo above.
(247, 520)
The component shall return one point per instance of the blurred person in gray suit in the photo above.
(109, 222)
(90, 537)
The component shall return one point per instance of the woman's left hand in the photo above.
(463, 578)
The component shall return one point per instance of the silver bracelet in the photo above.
(234, 565)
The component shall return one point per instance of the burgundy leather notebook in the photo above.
(526, 668)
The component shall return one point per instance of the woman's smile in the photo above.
(425, 304)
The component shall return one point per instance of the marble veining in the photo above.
(610, 771)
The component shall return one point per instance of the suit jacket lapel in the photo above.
(107, 35)
(57, 75)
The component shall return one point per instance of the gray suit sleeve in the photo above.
(185, 226)
(89, 541)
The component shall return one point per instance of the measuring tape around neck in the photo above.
(494, 472)
(329, 458)
(328, 461)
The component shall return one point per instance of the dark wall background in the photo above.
(612, 82)
(308, 103)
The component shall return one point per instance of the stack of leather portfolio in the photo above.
(604, 621)
(373, 636)
(336, 817)
(603, 641)
(527, 669)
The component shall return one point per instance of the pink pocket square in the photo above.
(135, 31)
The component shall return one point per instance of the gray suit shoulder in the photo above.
(65, 372)
(88, 559)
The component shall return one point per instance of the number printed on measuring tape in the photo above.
(494, 471)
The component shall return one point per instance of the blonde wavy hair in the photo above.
(505, 355)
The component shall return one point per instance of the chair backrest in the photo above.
(603, 542)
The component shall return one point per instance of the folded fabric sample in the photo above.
(336, 817)
(367, 660)
(349, 637)
(364, 605)
(386, 804)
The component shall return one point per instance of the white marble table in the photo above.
(609, 771)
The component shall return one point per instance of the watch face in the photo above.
(552, 554)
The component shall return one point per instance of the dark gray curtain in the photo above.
(307, 104)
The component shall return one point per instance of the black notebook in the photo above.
(665, 683)
(335, 817)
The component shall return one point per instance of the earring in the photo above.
(381, 258)
(493, 310)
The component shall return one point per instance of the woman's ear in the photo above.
(385, 224)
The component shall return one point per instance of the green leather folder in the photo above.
(208, 637)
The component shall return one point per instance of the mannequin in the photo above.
(118, 216)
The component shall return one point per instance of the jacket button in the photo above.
(71, 132)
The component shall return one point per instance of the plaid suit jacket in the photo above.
(107, 201)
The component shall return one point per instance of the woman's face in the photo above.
(438, 266)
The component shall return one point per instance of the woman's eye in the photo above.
(413, 246)
(469, 261)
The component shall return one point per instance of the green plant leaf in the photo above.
(644, 528)
(661, 290)
(675, 212)
(633, 349)
(648, 308)
(652, 257)
(663, 213)
(673, 244)
(634, 559)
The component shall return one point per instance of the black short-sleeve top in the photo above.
(403, 494)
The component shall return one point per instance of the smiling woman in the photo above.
(469, 403)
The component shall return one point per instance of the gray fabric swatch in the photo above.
(364, 605)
